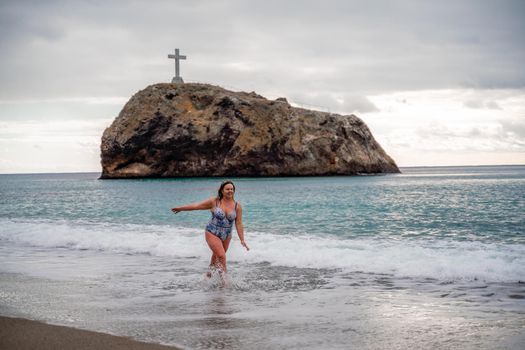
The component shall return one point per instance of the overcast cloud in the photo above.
(81, 60)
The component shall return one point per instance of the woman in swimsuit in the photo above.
(224, 211)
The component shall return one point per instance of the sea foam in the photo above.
(438, 259)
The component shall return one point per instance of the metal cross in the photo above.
(177, 57)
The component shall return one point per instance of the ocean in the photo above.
(432, 258)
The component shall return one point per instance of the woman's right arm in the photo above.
(207, 204)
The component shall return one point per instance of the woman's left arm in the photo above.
(240, 227)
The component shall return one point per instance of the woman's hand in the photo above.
(243, 243)
(176, 210)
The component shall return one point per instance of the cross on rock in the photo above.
(177, 79)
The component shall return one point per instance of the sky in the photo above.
(437, 82)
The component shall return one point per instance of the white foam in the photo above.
(123, 238)
(446, 260)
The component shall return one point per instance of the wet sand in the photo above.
(22, 334)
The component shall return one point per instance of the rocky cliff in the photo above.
(172, 130)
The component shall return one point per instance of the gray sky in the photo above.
(437, 82)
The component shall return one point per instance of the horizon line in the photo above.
(408, 166)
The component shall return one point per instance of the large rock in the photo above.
(172, 130)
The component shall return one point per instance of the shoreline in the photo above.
(22, 334)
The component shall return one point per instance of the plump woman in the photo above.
(224, 212)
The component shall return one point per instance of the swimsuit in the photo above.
(221, 224)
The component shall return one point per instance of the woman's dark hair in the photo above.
(219, 192)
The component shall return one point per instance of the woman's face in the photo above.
(228, 191)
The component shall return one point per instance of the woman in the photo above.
(224, 211)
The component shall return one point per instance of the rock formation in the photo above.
(175, 130)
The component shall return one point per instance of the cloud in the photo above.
(50, 145)
(358, 104)
(489, 137)
(436, 128)
(53, 130)
(86, 100)
(96, 48)
(470, 141)
(477, 104)
(334, 103)
(514, 127)
(83, 108)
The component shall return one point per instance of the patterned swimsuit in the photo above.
(221, 224)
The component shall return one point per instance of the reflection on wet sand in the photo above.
(219, 324)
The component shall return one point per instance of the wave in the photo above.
(438, 259)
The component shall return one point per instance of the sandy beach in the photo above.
(21, 334)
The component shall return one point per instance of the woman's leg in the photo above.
(225, 245)
(219, 254)
(213, 260)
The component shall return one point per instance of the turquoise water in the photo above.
(456, 203)
(369, 261)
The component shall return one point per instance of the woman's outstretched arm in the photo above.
(239, 227)
(207, 204)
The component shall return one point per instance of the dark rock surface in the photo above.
(175, 130)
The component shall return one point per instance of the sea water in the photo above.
(430, 258)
